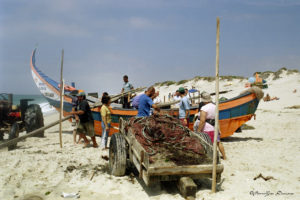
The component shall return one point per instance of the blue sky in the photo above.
(150, 41)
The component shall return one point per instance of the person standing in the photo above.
(106, 120)
(207, 117)
(126, 88)
(184, 107)
(177, 97)
(86, 122)
(146, 103)
(156, 98)
(75, 118)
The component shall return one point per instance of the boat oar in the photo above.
(196, 97)
(118, 96)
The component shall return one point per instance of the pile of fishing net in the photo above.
(166, 136)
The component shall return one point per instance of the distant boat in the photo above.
(233, 113)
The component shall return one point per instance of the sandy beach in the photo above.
(40, 167)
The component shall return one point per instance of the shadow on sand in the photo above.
(170, 187)
(241, 139)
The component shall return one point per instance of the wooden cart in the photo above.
(125, 148)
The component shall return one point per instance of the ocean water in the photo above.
(37, 99)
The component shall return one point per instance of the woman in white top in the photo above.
(206, 124)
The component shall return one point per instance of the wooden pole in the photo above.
(33, 133)
(214, 174)
(61, 98)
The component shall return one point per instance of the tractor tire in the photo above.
(117, 155)
(34, 119)
(1, 135)
(13, 133)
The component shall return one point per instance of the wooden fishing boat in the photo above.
(233, 112)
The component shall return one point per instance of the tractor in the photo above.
(18, 118)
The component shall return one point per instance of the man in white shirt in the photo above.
(157, 98)
(177, 97)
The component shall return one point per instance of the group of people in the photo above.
(83, 121)
(145, 104)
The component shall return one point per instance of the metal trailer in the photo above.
(125, 149)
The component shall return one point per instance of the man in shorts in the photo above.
(126, 88)
(184, 107)
(86, 124)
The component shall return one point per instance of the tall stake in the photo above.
(214, 175)
(61, 98)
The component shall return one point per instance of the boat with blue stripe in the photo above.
(233, 113)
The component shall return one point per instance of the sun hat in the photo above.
(181, 90)
(205, 97)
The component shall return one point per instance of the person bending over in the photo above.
(206, 124)
(146, 103)
(86, 121)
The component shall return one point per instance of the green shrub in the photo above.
(182, 82)
(167, 83)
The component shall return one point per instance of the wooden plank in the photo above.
(136, 162)
(35, 132)
(61, 98)
(184, 170)
(214, 173)
(150, 181)
(137, 149)
(187, 187)
(141, 163)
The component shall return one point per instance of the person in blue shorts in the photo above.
(184, 107)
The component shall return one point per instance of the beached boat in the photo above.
(233, 112)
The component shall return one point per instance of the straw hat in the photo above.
(205, 97)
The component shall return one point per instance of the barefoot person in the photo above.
(86, 124)
(106, 120)
(184, 107)
(126, 88)
(75, 118)
(206, 124)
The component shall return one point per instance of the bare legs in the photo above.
(222, 150)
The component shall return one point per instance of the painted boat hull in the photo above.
(232, 113)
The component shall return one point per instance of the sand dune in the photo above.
(40, 167)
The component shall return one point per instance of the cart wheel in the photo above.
(34, 119)
(1, 135)
(117, 155)
(13, 133)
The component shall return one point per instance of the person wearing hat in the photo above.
(207, 116)
(184, 107)
(86, 121)
(177, 97)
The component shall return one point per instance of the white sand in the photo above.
(39, 166)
